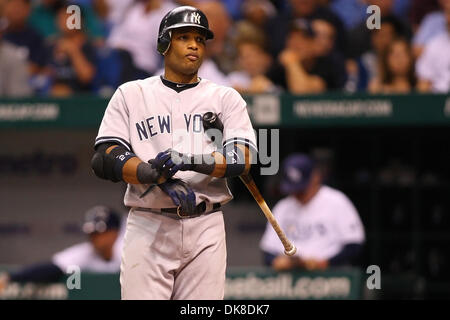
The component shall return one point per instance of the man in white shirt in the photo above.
(433, 66)
(321, 221)
(136, 35)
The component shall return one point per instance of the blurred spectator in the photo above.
(433, 24)
(380, 40)
(219, 50)
(327, 52)
(396, 73)
(277, 28)
(321, 221)
(253, 63)
(72, 60)
(258, 12)
(136, 36)
(305, 65)
(359, 37)
(102, 253)
(419, 9)
(21, 34)
(43, 19)
(14, 71)
(433, 66)
(112, 11)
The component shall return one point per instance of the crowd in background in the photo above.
(260, 46)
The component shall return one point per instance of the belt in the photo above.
(175, 213)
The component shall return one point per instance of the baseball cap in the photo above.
(99, 219)
(296, 173)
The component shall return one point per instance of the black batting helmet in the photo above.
(185, 16)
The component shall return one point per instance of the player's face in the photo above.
(186, 51)
(312, 188)
(104, 242)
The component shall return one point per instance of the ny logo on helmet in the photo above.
(195, 18)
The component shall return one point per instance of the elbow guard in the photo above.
(116, 163)
(109, 160)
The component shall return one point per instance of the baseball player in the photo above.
(152, 138)
(321, 221)
(100, 254)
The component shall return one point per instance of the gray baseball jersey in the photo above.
(147, 117)
(164, 258)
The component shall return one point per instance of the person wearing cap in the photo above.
(101, 253)
(321, 221)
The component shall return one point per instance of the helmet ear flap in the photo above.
(164, 42)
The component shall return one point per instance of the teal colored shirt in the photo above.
(43, 20)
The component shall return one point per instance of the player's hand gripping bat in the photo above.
(212, 121)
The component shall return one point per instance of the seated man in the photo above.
(303, 67)
(321, 221)
(102, 253)
(433, 66)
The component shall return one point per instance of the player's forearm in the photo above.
(230, 162)
(115, 163)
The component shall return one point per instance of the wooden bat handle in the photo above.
(289, 248)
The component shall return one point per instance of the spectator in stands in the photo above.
(22, 35)
(219, 60)
(71, 61)
(277, 28)
(136, 36)
(325, 48)
(303, 66)
(43, 19)
(396, 73)
(433, 24)
(360, 36)
(380, 40)
(419, 9)
(101, 253)
(112, 12)
(433, 66)
(321, 221)
(253, 63)
(258, 12)
(14, 72)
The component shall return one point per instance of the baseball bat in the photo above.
(211, 120)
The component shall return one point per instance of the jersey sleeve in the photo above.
(348, 223)
(236, 121)
(269, 241)
(115, 124)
